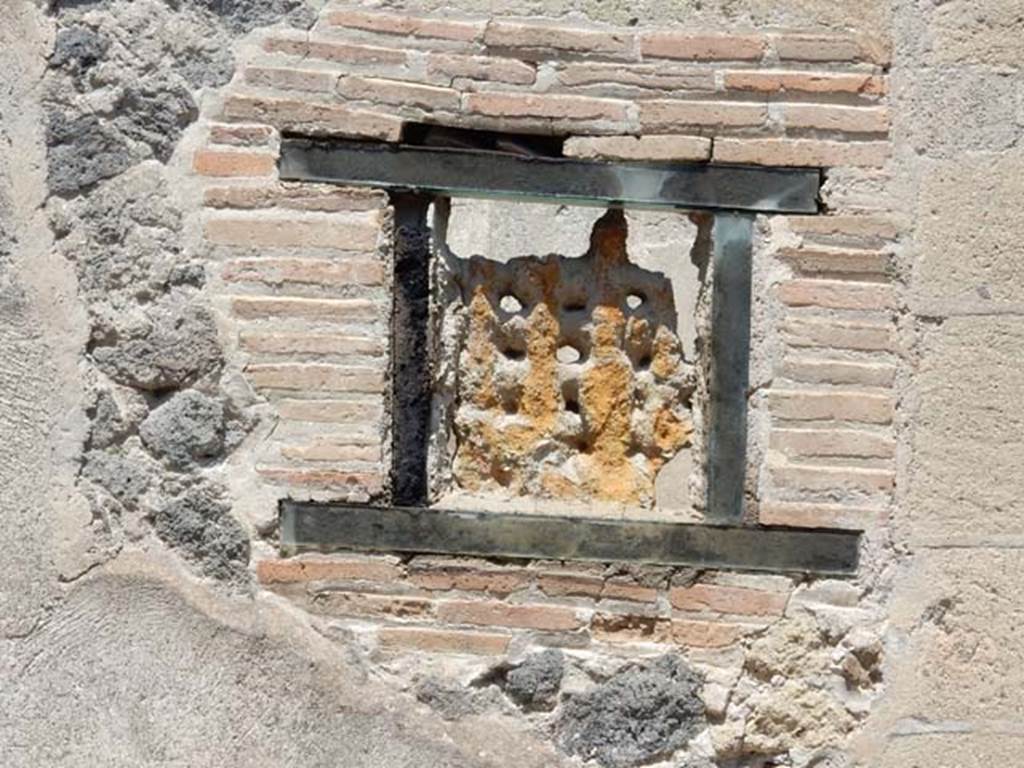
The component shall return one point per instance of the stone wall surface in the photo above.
(184, 340)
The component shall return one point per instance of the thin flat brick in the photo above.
(713, 598)
(499, 582)
(867, 337)
(648, 76)
(315, 118)
(291, 79)
(650, 147)
(331, 411)
(412, 26)
(543, 617)
(867, 408)
(324, 310)
(293, 571)
(833, 442)
(359, 483)
(707, 634)
(615, 590)
(630, 628)
(357, 604)
(868, 228)
(821, 371)
(315, 377)
(325, 450)
(486, 68)
(442, 641)
(685, 45)
(557, 38)
(310, 343)
(554, 106)
(814, 477)
(807, 515)
(836, 294)
(838, 260)
(211, 162)
(271, 271)
(339, 52)
(802, 152)
(241, 135)
(335, 233)
(303, 197)
(828, 117)
(798, 81)
(397, 92)
(570, 585)
(669, 114)
(830, 48)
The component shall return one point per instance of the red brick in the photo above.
(316, 377)
(651, 147)
(314, 117)
(414, 26)
(826, 371)
(830, 48)
(867, 408)
(442, 641)
(292, 79)
(686, 45)
(335, 569)
(241, 135)
(648, 76)
(570, 585)
(396, 92)
(557, 38)
(802, 152)
(340, 52)
(331, 411)
(551, 618)
(713, 598)
(305, 197)
(331, 450)
(547, 105)
(838, 260)
(804, 515)
(797, 81)
(833, 442)
(210, 162)
(270, 271)
(355, 483)
(615, 590)
(836, 294)
(496, 582)
(829, 117)
(837, 335)
(489, 68)
(334, 232)
(707, 634)
(670, 114)
(310, 344)
(356, 604)
(814, 477)
(630, 628)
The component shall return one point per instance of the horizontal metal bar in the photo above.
(480, 173)
(328, 527)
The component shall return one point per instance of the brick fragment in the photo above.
(310, 344)
(665, 114)
(650, 147)
(799, 81)
(868, 337)
(328, 450)
(360, 484)
(551, 618)
(315, 377)
(648, 76)
(630, 628)
(869, 229)
(685, 45)
(292, 78)
(305, 197)
(713, 598)
(359, 604)
(314, 117)
(241, 135)
(809, 515)
(836, 294)
(579, 585)
(557, 38)
(833, 442)
(795, 47)
(325, 272)
(707, 634)
(815, 477)
(296, 570)
(500, 582)
(488, 68)
(442, 641)
(829, 117)
(211, 162)
(397, 92)
(826, 371)
(867, 408)
(838, 260)
(412, 26)
(339, 52)
(802, 152)
(331, 411)
(556, 106)
(349, 234)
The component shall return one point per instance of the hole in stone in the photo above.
(513, 352)
(644, 362)
(568, 354)
(635, 300)
(571, 395)
(509, 303)
(575, 305)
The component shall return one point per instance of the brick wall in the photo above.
(302, 276)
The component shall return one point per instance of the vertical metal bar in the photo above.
(732, 236)
(410, 349)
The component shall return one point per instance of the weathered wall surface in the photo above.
(130, 632)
